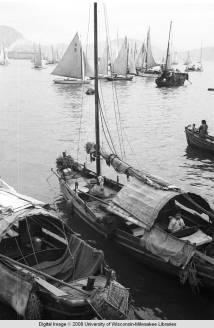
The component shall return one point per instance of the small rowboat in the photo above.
(197, 141)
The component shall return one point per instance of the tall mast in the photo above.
(147, 46)
(97, 128)
(167, 54)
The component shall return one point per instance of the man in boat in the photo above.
(203, 129)
(176, 223)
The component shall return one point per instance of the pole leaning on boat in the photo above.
(97, 129)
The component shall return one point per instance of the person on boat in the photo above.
(203, 129)
(176, 223)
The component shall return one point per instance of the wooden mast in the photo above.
(97, 128)
(167, 54)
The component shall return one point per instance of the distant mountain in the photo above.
(9, 35)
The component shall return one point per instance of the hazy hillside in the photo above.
(9, 35)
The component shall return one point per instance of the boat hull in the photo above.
(70, 81)
(196, 141)
(119, 78)
(129, 243)
(171, 79)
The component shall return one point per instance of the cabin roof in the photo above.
(144, 202)
(15, 207)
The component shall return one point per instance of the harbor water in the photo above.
(40, 119)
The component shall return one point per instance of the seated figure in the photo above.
(176, 223)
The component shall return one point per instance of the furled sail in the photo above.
(131, 62)
(71, 63)
(168, 62)
(104, 61)
(150, 62)
(141, 56)
(121, 62)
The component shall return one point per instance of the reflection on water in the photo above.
(40, 119)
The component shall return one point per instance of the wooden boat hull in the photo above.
(70, 81)
(194, 140)
(175, 79)
(119, 78)
(129, 243)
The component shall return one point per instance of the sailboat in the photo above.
(53, 58)
(150, 67)
(119, 68)
(3, 57)
(37, 60)
(131, 62)
(135, 215)
(74, 65)
(170, 77)
(195, 67)
(104, 63)
(140, 58)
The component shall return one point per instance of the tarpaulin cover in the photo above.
(167, 247)
(80, 260)
(9, 219)
(142, 201)
(14, 291)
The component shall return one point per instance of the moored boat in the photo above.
(136, 215)
(46, 270)
(194, 139)
(170, 77)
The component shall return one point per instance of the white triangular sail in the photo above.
(120, 64)
(140, 58)
(131, 62)
(104, 61)
(150, 62)
(71, 63)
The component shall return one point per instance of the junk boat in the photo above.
(169, 76)
(46, 270)
(136, 215)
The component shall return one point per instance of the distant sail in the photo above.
(141, 56)
(150, 62)
(188, 60)
(104, 61)
(88, 71)
(38, 58)
(121, 62)
(131, 62)
(71, 63)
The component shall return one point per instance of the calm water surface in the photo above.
(39, 120)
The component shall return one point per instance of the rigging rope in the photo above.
(82, 91)
(118, 125)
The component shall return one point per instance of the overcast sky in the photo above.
(54, 21)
